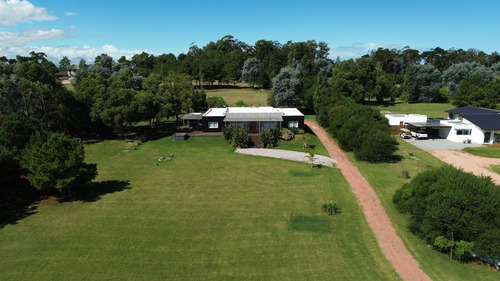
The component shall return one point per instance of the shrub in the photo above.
(286, 134)
(266, 137)
(240, 138)
(331, 208)
(450, 203)
(241, 103)
(228, 131)
(296, 130)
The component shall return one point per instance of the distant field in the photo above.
(248, 95)
(491, 152)
(432, 110)
(386, 179)
(207, 214)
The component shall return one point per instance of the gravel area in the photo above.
(440, 144)
(287, 154)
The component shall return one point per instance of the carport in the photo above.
(431, 127)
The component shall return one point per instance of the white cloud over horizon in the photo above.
(16, 11)
(11, 39)
(74, 53)
(357, 50)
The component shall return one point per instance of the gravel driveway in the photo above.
(287, 154)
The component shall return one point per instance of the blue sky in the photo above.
(87, 28)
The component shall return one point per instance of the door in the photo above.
(253, 127)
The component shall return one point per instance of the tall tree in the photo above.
(64, 63)
(287, 86)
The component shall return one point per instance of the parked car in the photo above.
(404, 133)
(419, 134)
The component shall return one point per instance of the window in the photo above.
(268, 125)
(463, 132)
(213, 124)
(293, 124)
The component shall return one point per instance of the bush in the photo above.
(296, 130)
(228, 132)
(286, 134)
(331, 208)
(240, 138)
(456, 205)
(241, 103)
(267, 139)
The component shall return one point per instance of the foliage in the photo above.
(287, 134)
(458, 249)
(296, 130)
(228, 131)
(270, 137)
(331, 208)
(250, 71)
(216, 101)
(422, 84)
(287, 86)
(456, 73)
(241, 103)
(311, 156)
(54, 161)
(475, 91)
(240, 138)
(449, 202)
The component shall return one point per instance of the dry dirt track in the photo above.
(390, 243)
(468, 162)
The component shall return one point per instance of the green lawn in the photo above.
(491, 152)
(248, 95)
(207, 214)
(386, 179)
(432, 110)
(496, 169)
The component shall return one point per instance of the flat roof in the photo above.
(255, 111)
(426, 125)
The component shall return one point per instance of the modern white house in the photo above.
(464, 124)
(479, 125)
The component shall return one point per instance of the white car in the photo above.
(419, 134)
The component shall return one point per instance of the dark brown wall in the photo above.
(205, 120)
(284, 124)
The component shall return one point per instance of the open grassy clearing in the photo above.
(432, 110)
(248, 95)
(491, 152)
(496, 169)
(386, 179)
(206, 214)
(297, 143)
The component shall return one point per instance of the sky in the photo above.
(87, 28)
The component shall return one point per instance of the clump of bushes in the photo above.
(296, 130)
(270, 137)
(454, 211)
(236, 135)
(331, 208)
(287, 134)
(241, 103)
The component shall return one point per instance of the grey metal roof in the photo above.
(432, 125)
(241, 117)
(484, 118)
(192, 116)
(473, 110)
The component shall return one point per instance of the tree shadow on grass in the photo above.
(17, 201)
(95, 190)
(317, 224)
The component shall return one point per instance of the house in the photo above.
(68, 73)
(253, 119)
(479, 125)
(464, 124)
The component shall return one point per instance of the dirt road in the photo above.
(468, 162)
(390, 243)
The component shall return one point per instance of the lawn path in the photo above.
(390, 243)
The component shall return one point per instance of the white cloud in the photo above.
(74, 27)
(55, 53)
(10, 39)
(14, 11)
(357, 50)
(69, 14)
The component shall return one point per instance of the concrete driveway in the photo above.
(440, 144)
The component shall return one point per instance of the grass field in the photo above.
(386, 179)
(432, 110)
(496, 169)
(248, 95)
(207, 214)
(491, 152)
